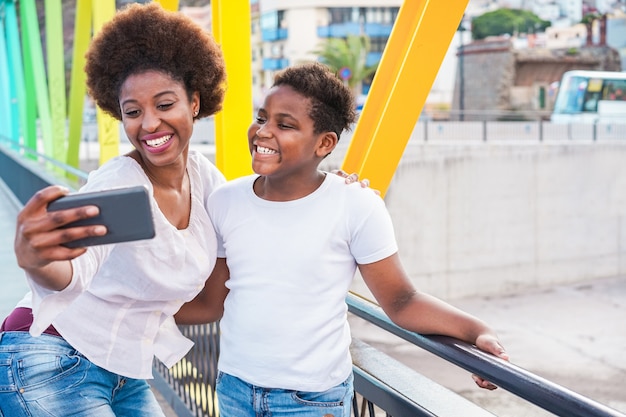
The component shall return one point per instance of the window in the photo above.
(378, 44)
(614, 90)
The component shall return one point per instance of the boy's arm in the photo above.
(423, 313)
(208, 305)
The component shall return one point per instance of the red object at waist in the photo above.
(20, 320)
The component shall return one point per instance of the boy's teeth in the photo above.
(158, 142)
(261, 149)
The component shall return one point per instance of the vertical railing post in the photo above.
(569, 130)
(484, 130)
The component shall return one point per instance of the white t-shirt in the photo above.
(291, 264)
(118, 309)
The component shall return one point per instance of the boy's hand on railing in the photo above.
(490, 344)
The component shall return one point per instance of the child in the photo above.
(293, 237)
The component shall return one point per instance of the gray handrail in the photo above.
(65, 167)
(535, 389)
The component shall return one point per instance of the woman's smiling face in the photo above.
(157, 115)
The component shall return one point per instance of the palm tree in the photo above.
(347, 57)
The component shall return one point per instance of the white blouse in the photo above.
(118, 309)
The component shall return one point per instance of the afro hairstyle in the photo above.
(145, 37)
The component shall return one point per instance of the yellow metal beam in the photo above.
(108, 127)
(169, 4)
(408, 68)
(78, 89)
(231, 28)
(56, 79)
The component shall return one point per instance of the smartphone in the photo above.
(125, 212)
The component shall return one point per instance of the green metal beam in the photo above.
(16, 76)
(6, 119)
(35, 80)
(108, 127)
(78, 89)
(56, 79)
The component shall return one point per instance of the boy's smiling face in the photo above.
(282, 140)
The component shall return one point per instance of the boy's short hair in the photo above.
(144, 37)
(333, 106)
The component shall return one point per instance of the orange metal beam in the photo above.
(408, 68)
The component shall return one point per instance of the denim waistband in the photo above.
(8, 339)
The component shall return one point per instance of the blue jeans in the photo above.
(45, 376)
(237, 398)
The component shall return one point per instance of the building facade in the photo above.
(501, 79)
(287, 32)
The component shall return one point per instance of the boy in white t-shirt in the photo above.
(293, 237)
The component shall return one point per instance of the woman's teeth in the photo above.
(158, 142)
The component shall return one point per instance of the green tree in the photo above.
(503, 21)
(350, 52)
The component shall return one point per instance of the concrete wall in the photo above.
(487, 219)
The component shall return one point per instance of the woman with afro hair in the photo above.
(82, 342)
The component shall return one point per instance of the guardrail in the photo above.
(539, 391)
(380, 382)
(439, 131)
(437, 128)
(25, 171)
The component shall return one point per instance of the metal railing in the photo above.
(382, 383)
(189, 386)
(524, 384)
(443, 128)
(510, 131)
(25, 171)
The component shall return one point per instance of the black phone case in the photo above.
(125, 212)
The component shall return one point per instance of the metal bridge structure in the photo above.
(33, 95)
(40, 143)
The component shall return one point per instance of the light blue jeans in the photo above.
(45, 376)
(237, 398)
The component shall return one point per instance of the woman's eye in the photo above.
(131, 113)
(284, 126)
(260, 120)
(165, 106)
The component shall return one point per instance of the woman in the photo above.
(82, 342)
